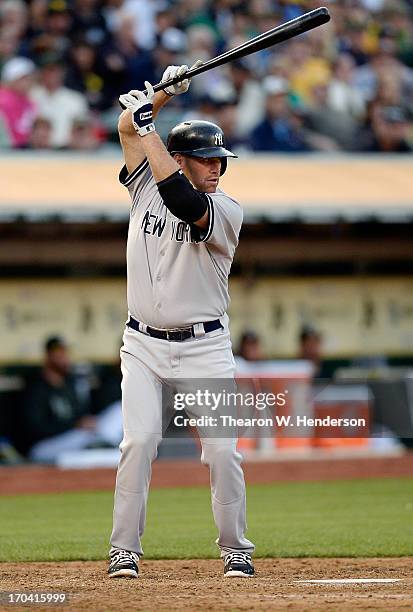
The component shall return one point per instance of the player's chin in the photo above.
(211, 185)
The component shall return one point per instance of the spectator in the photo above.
(83, 136)
(85, 75)
(169, 52)
(52, 411)
(14, 17)
(9, 44)
(205, 110)
(250, 347)
(278, 131)
(343, 96)
(305, 69)
(40, 138)
(367, 78)
(143, 14)
(89, 23)
(127, 65)
(250, 98)
(165, 20)
(59, 104)
(310, 347)
(202, 46)
(226, 118)
(339, 128)
(386, 131)
(52, 32)
(352, 40)
(17, 110)
(56, 420)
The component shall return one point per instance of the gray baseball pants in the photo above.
(146, 361)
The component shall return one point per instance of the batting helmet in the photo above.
(199, 139)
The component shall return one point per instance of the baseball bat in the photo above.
(279, 34)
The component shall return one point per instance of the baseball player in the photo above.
(183, 232)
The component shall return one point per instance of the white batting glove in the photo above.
(173, 71)
(141, 107)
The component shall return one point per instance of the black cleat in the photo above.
(238, 565)
(123, 563)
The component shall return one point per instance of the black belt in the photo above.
(173, 335)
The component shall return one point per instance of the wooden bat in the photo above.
(277, 35)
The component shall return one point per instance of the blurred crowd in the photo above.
(347, 86)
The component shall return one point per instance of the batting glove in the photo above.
(141, 107)
(174, 71)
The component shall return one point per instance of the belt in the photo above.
(173, 335)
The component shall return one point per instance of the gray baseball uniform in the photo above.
(177, 277)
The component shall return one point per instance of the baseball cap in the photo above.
(222, 93)
(173, 40)
(17, 68)
(275, 86)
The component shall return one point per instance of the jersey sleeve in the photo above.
(225, 220)
(140, 183)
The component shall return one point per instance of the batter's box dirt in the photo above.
(200, 585)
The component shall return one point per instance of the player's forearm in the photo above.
(131, 142)
(159, 100)
(160, 161)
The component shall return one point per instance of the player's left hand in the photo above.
(141, 107)
(174, 71)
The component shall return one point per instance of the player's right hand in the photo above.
(173, 71)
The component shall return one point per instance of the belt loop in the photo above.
(199, 330)
(142, 328)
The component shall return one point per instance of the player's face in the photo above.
(203, 172)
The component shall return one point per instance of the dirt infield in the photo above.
(34, 479)
(199, 585)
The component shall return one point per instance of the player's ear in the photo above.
(179, 159)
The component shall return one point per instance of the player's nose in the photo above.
(214, 164)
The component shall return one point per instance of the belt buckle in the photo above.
(178, 335)
(173, 335)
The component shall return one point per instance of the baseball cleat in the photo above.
(238, 565)
(123, 563)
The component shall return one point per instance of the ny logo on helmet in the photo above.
(218, 139)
